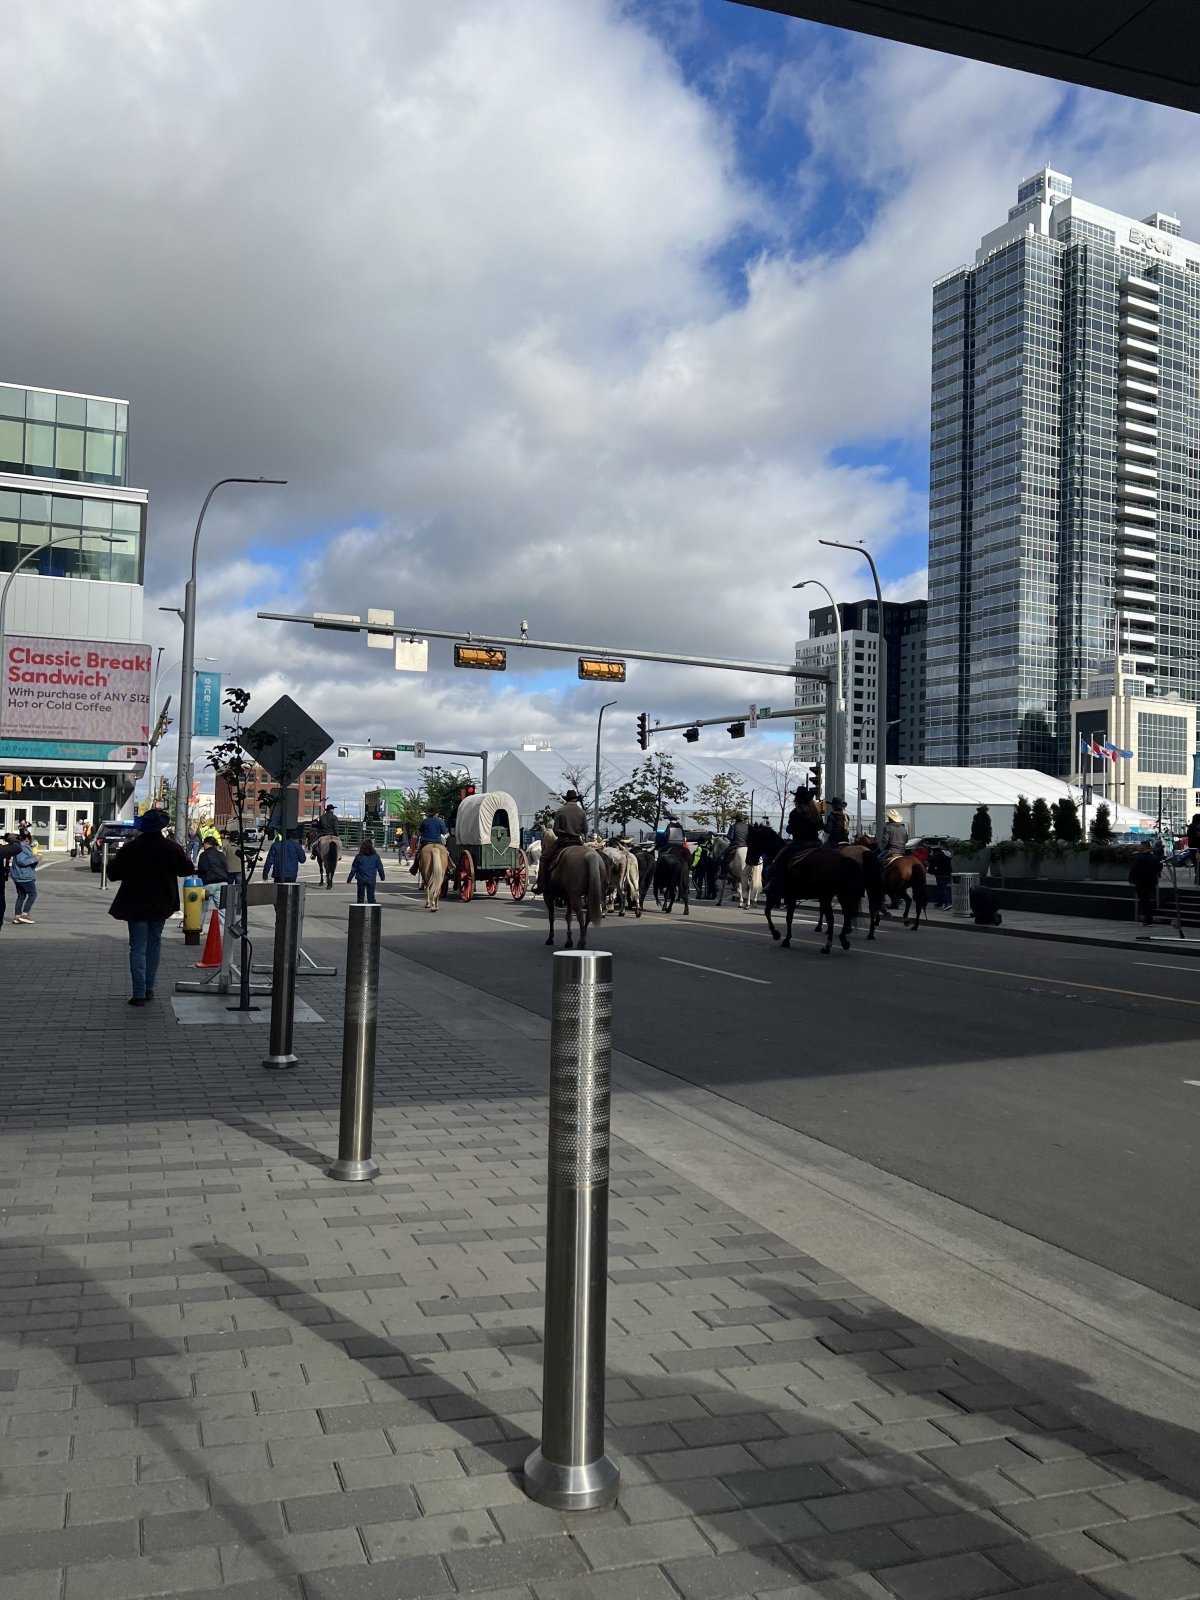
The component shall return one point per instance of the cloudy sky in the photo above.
(595, 313)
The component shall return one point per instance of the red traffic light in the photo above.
(383, 755)
(467, 788)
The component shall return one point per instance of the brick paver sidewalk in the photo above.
(225, 1374)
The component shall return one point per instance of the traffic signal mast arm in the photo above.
(740, 716)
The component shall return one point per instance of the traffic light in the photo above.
(814, 778)
(467, 788)
(737, 730)
(383, 755)
(862, 788)
(691, 734)
(12, 784)
(643, 731)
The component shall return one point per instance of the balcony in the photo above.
(1135, 449)
(1138, 347)
(1136, 409)
(1134, 530)
(1137, 604)
(1139, 573)
(1129, 490)
(1145, 371)
(1128, 323)
(1139, 471)
(1132, 284)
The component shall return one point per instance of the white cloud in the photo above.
(449, 270)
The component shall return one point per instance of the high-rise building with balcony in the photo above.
(904, 626)
(1064, 517)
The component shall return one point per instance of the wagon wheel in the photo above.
(466, 876)
(517, 877)
(491, 884)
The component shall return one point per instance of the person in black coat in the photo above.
(10, 847)
(1143, 875)
(147, 869)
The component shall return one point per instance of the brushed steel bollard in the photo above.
(283, 976)
(570, 1471)
(354, 1161)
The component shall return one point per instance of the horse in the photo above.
(646, 861)
(746, 879)
(326, 849)
(673, 876)
(533, 860)
(905, 875)
(624, 879)
(821, 874)
(433, 863)
(576, 873)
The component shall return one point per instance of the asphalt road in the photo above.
(1041, 1084)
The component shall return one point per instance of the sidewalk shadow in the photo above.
(261, 1133)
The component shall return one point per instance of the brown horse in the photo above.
(433, 863)
(577, 874)
(821, 874)
(905, 876)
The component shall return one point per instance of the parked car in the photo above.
(110, 836)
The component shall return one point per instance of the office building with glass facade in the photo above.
(77, 531)
(1064, 517)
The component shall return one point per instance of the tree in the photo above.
(784, 772)
(575, 777)
(1042, 821)
(441, 788)
(715, 802)
(1066, 821)
(981, 827)
(1022, 821)
(652, 789)
(1101, 828)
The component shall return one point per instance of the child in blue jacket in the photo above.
(364, 869)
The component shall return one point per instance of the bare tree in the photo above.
(783, 773)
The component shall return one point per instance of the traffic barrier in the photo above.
(355, 1163)
(212, 945)
(570, 1471)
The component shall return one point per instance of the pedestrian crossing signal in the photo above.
(13, 784)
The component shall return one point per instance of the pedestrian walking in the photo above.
(941, 865)
(364, 869)
(194, 842)
(8, 850)
(78, 850)
(1143, 875)
(284, 860)
(147, 869)
(213, 870)
(22, 869)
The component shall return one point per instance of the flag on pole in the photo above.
(1097, 749)
(1083, 745)
(1111, 751)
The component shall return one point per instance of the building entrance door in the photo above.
(60, 828)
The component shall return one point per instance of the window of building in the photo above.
(1162, 743)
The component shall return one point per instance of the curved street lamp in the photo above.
(837, 778)
(881, 723)
(596, 788)
(67, 538)
(187, 679)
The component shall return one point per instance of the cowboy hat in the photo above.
(570, 795)
(894, 816)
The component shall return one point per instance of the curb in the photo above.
(1180, 947)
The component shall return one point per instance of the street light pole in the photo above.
(187, 681)
(105, 538)
(837, 778)
(881, 723)
(596, 789)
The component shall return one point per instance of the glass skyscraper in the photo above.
(1064, 514)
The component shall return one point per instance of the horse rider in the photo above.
(569, 827)
(804, 832)
(894, 843)
(837, 822)
(668, 832)
(433, 831)
(737, 837)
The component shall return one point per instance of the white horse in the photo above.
(533, 855)
(746, 880)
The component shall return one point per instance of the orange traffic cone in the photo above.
(212, 945)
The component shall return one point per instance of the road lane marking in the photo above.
(1034, 977)
(1192, 1083)
(509, 923)
(1188, 972)
(741, 978)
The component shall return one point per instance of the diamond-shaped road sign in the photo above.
(285, 740)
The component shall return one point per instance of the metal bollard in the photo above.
(354, 1160)
(571, 1471)
(283, 976)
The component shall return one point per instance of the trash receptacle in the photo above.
(961, 885)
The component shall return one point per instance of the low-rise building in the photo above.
(1133, 749)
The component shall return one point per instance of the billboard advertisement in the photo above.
(75, 690)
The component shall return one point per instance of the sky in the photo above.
(595, 314)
